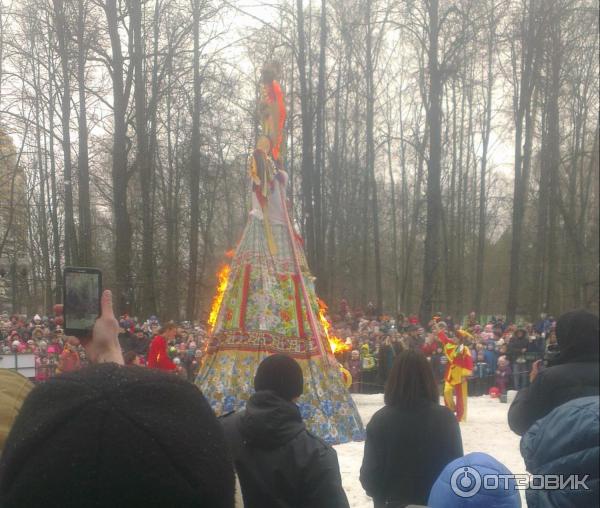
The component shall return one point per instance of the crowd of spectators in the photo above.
(54, 352)
(503, 353)
(95, 425)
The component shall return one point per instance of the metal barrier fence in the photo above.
(372, 386)
(27, 365)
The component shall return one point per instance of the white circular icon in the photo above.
(465, 481)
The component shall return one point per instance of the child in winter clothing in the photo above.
(488, 333)
(503, 373)
(480, 372)
(354, 366)
(439, 363)
(517, 347)
(491, 359)
(368, 371)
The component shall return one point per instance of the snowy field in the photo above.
(485, 431)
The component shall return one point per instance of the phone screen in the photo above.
(82, 299)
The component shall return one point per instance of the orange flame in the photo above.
(336, 344)
(223, 277)
(323, 316)
(229, 254)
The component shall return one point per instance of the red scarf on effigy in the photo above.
(275, 95)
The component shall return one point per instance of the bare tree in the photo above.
(62, 36)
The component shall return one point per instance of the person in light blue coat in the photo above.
(565, 442)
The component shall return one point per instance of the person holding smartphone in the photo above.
(102, 423)
(573, 373)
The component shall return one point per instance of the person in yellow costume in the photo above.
(460, 366)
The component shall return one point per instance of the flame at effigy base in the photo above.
(223, 278)
(336, 344)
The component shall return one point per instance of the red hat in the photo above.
(494, 392)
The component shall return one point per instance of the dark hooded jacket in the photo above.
(574, 374)
(517, 347)
(279, 463)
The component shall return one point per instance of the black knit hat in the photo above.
(578, 337)
(111, 436)
(280, 374)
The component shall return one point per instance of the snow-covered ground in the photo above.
(485, 431)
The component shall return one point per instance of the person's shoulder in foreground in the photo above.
(119, 437)
(566, 442)
(14, 388)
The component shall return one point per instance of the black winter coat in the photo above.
(405, 452)
(516, 347)
(141, 345)
(551, 388)
(279, 463)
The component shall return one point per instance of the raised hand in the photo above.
(104, 345)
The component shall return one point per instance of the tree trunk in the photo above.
(522, 157)
(120, 177)
(405, 201)
(394, 221)
(307, 169)
(554, 156)
(434, 198)
(143, 163)
(85, 215)
(370, 156)
(540, 258)
(332, 261)
(171, 213)
(485, 135)
(407, 277)
(195, 168)
(43, 223)
(71, 252)
(54, 199)
(319, 172)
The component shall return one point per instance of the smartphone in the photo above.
(81, 300)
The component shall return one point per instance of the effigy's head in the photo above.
(270, 71)
(263, 143)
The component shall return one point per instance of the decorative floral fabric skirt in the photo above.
(263, 312)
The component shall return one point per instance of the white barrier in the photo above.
(23, 363)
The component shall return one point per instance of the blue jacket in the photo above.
(565, 442)
(491, 358)
(443, 493)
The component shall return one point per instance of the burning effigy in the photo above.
(265, 302)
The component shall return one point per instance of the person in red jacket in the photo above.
(430, 346)
(158, 357)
